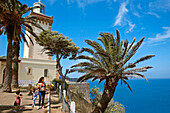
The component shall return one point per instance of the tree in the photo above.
(14, 25)
(113, 107)
(109, 63)
(60, 46)
(16, 48)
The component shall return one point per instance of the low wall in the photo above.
(82, 105)
(24, 83)
(81, 88)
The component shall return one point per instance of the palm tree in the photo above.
(14, 25)
(16, 49)
(109, 63)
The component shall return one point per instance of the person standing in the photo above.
(41, 88)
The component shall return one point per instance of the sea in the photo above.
(147, 97)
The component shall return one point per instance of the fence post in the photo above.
(57, 86)
(60, 93)
(48, 108)
(64, 98)
(73, 107)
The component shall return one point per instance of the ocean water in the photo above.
(152, 97)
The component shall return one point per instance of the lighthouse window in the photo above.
(42, 9)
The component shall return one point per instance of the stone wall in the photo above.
(80, 88)
(82, 105)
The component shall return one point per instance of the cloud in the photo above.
(121, 19)
(154, 14)
(157, 44)
(52, 1)
(68, 1)
(161, 36)
(84, 3)
(139, 6)
(136, 14)
(121, 15)
(131, 27)
(143, 28)
(160, 5)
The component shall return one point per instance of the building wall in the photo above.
(0, 73)
(34, 50)
(37, 49)
(2, 67)
(37, 70)
(26, 48)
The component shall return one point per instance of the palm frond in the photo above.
(83, 64)
(127, 85)
(144, 58)
(133, 50)
(84, 49)
(109, 61)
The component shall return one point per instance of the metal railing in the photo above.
(66, 106)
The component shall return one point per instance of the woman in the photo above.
(41, 88)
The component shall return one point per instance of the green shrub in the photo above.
(30, 89)
(61, 83)
(113, 107)
(80, 94)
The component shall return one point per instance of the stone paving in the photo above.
(7, 101)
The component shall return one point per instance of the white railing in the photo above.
(26, 82)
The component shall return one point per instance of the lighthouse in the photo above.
(34, 51)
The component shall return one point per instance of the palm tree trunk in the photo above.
(8, 73)
(16, 48)
(107, 95)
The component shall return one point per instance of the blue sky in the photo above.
(85, 19)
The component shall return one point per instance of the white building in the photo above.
(34, 63)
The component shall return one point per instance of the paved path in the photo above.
(56, 106)
(7, 100)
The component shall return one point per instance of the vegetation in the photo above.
(50, 86)
(61, 83)
(14, 25)
(30, 87)
(60, 46)
(113, 107)
(78, 92)
(109, 63)
(16, 48)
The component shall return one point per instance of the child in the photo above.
(17, 101)
(34, 96)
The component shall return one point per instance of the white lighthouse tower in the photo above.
(35, 51)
